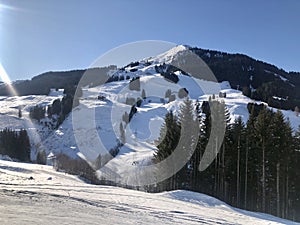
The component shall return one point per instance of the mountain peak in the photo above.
(171, 54)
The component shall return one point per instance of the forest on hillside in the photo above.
(256, 167)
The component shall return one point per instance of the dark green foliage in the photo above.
(169, 137)
(147, 63)
(247, 91)
(98, 162)
(133, 111)
(59, 109)
(41, 84)
(122, 133)
(112, 79)
(56, 107)
(130, 101)
(172, 98)
(182, 93)
(167, 71)
(255, 109)
(125, 118)
(115, 150)
(257, 167)
(135, 84)
(168, 93)
(139, 102)
(15, 144)
(133, 64)
(41, 157)
(172, 77)
(167, 142)
(222, 94)
(143, 94)
(37, 112)
(67, 104)
(133, 70)
(77, 167)
(245, 73)
(19, 112)
(181, 133)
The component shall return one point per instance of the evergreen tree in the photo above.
(15, 144)
(188, 141)
(56, 107)
(235, 162)
(19, 112)
(122, 133)
(262, 130)
(143, 94)
(41, 157)
(167, 142)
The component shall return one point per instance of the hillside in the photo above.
(96, 117)
(56, 80)
(256, 79)
(115, 125)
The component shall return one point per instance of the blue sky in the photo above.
(41, 35)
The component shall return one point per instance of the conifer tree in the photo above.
(167, 142)
(143, 94)
(188, 141)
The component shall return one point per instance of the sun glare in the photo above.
(4, 7)
(3, 75)
(5, 78)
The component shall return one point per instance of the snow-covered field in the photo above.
(51, 197)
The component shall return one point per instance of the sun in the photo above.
(4, 7)
(3, 75)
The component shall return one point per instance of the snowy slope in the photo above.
(93, 127)
(53, 197)
(144, 128)
(9, 107)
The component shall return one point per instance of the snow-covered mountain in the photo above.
(92, 132)
(95, 122)
(36, 194)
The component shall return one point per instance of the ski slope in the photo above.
(54, 197)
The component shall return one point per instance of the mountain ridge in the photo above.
(257, 79)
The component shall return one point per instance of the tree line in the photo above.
(255, 167)
(15, 144)
(59, 109)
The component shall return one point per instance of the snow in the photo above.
(170, 55)
(52, 196)
(279, 98)
(92, 129)
(56, 93)
(277, 75)
(9, 108)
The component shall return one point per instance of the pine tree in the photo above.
(294, 174)
(41, 157)
(188, 141)
(19, 112)
(251, 162)
(167, 142)
(122, 133)
(262, 130)
(196, 157)
(236, 154)
(143, 94)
